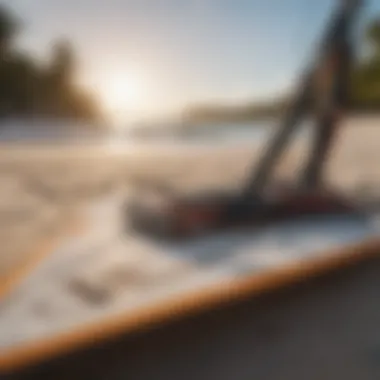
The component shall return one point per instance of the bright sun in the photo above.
(123, 96)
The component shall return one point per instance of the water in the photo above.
(51, 131)
(54, 132)
(220, 134)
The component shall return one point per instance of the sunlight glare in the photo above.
(124, 95)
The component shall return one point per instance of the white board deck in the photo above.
(107, 271)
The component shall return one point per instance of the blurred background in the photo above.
(96, 95)
(110, 90)
(127, 64)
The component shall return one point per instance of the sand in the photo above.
(41, 184)
(104, 272)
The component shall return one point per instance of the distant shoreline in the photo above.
(222, 120)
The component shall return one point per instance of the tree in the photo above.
(373, 36)
(8, 29)
(365, 84)
(63, 61)
(28, 88)
(65, 99)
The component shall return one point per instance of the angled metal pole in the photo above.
(332, 94)
(340, 21)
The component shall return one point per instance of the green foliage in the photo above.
(373, 34)
(366, 76)
(229, 114)
(8, 28)
(28, 89)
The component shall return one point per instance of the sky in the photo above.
(172, 53)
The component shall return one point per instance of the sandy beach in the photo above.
(40, 185)
(106, 269)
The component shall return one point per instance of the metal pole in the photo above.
(338, 27)
(333, 95)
